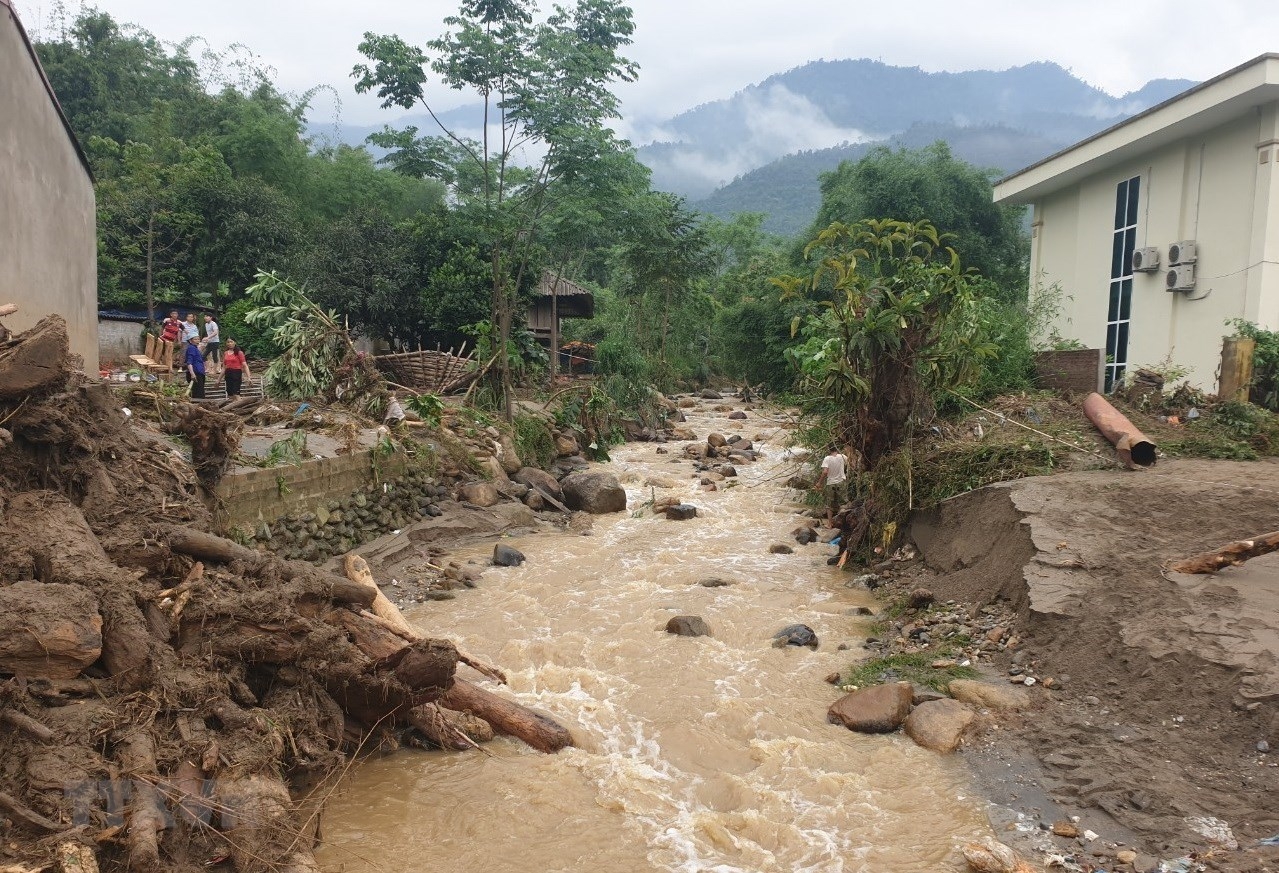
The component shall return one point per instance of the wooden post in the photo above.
(1236, 368)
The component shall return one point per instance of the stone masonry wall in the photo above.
(1078, 371)
(257, 496)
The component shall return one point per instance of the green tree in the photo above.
(892, 318)
(930, 183)
(544, 88)
(146, 223)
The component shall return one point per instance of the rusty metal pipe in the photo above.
(1132, 446)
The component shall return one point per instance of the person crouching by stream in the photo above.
(195, 368)
(235, 368)
(852, 522)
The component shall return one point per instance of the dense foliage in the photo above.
(931, 184)
(205, 179)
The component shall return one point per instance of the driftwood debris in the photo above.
(508, 717)
(176, 674)
(1228, 555)
(210, 547)
(505, 716)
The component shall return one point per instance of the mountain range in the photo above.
(764, 148)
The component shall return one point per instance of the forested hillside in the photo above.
(788, 190)
(824, 104)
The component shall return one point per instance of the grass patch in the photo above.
(534, 442)
(913, 667)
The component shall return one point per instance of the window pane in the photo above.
(1130, 243)
(1111, 333)
(1134, 192)
(1121, 205)
(1117, 256)
(1110, 379)
(1125, 300)
(1112, 314)
(1121, 344)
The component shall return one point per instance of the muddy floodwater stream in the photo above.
(694, 754)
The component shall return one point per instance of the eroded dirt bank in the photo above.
(1166, 686)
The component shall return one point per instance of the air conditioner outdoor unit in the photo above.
(1145, 260)
(1182, 252)
(1180, 278)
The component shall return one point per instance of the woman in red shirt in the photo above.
(171, 328)
(235, 368)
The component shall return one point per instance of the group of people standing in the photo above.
(231, 364)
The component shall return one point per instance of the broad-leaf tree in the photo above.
(544, 89)
(892, 318)
(930, 183)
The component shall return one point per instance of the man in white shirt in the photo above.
(212, 343)
(833, 481)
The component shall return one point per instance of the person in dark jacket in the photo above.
(195, 367)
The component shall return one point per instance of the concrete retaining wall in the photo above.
(256, 496)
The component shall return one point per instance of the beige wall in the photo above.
(48, 247)
(1210, 188)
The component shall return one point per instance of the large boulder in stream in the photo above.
(880, 709)
(688, 626)
(795, 635)
(541, 480)
(596, 493)
(505, 556)
(482, 494)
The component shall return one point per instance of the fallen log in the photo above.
(136, 752)
(26, 724)
(1132, 446)
(260, 827)
(219, 550)
(507, 716)
(27, 816)
(357, 570)
(1229, 555)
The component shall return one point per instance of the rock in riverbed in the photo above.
(795, 635)
(939, 724)
(535, 478)
(596, 493)
(505, 556)
(688, 626)
(880, 709)
(681, 512)
(989, 696)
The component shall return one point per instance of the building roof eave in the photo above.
(1197, 110)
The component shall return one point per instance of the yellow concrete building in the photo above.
(1159, 230)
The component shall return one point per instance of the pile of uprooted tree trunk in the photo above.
(163, 689)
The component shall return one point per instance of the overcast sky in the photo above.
(694, 51)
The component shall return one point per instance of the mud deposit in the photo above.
(1172, 680)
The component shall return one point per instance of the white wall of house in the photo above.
(1214, 189)
(48, 243)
